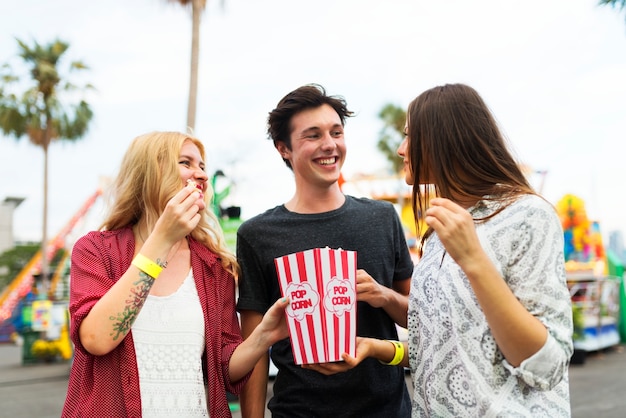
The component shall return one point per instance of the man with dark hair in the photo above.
(307, 127)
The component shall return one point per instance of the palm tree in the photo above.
(197, 7)
(38, 112)
(615, 4)
(392, 134)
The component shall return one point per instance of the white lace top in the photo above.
(169, 342)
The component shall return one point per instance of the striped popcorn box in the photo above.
(321, 286)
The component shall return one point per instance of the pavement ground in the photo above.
(597, 386)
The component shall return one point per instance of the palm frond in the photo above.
(613, 3)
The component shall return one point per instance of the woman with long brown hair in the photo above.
(489, 316)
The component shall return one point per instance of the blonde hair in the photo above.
(148, 178)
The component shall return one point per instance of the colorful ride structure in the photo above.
(594, 278)
(24, 283)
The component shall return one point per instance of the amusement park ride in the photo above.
(20, 297)
(24, 281)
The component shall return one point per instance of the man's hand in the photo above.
(364, 347)
(369, 290)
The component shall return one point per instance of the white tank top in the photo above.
(169, 342)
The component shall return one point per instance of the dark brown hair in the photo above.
(309, 96)
(455, 143)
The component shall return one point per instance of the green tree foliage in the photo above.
(392, 134)
(13, 261)
(615, 4)
(31, 106)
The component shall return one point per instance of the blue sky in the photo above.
(552, 72)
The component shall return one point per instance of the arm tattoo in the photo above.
(124, 320)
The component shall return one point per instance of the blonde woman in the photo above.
(152, 298)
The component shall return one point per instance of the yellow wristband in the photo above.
(399, 354)
(146, 265)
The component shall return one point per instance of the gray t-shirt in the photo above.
(372, 229)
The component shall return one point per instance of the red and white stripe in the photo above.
(319, 335)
